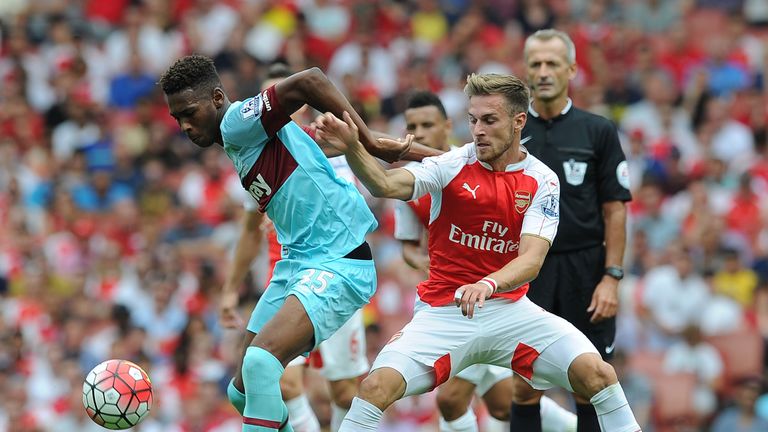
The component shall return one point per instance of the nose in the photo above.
(185, 126)
(477, 129)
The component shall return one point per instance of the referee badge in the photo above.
(574, 172)
(522, 201)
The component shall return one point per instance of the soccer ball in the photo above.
(117, 394)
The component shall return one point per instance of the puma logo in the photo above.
(471, 190)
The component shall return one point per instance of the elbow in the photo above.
(313, 78)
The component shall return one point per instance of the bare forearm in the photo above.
(246, 250)
(615, 217)
(517, 272)
(373, 176)
(317, 91)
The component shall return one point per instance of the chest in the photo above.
(477, 195)
(567, 149)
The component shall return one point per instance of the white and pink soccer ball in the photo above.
(117, 394)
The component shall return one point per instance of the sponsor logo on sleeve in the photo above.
(249, 108)
(551, 207)
(622, 174)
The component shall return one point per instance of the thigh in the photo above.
(332, 292)
(517, 333)
(438, 338)
(288, 334)
(551, 366)
(580, 272)
(342, 356)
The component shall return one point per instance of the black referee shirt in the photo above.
(583, 150)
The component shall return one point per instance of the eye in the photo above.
(473, 120)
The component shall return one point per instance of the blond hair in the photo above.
(549, 34)
(514, 90)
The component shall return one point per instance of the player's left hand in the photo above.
(469, 296)
(342, 135)
(605, 300)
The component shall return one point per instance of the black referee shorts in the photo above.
(564, 287)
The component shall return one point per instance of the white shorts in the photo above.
(484, 376)
(342, 356)
(439, 342)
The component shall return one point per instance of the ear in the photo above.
(519, 121)
(572, 70)
(218, 97)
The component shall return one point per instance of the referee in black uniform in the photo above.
(580, 276)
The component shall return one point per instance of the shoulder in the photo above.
(591, 119)
(540, 171)
(449, 160)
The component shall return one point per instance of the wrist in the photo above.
(614, 272)
(492, 285)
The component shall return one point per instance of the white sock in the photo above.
(613, 411)
(494, 425)
(300, 415)
(555, 418)
(466, 423)
(337, 415)
(362, 416)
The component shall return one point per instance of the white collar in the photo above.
(567, 108)
(517, 166)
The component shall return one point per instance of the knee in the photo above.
(450, 404)
(589, 374)
(259, 366)
(342, 393)
(523, 393)
(500, 413)
(380, 391)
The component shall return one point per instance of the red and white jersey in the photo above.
(477, 217)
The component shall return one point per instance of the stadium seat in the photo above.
(673, 401)
(647, 363)
(742, 353)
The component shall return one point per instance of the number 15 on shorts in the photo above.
(315, 280)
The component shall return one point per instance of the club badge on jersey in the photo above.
(574, 172)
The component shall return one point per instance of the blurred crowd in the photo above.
(115, 231)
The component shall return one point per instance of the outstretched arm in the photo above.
(393, 183)
(313, 88)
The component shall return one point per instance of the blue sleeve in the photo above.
(254, 121)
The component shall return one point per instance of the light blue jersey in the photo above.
(316, 214)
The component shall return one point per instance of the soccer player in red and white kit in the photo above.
(493, 216)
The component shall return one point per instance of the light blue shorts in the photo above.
(331, 292)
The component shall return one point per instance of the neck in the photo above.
(220, 118)
(511, 156)
(551, 108)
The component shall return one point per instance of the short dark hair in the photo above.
(423, 98)
(194, 71)
(278, 70)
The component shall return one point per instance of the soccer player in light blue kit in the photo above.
(327, 272)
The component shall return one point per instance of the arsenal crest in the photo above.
(522, 201)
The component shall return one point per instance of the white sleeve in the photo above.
(407, 225)
(434, 173)
(543, 214)
(250, 204)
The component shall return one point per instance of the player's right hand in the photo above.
(229, 317)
